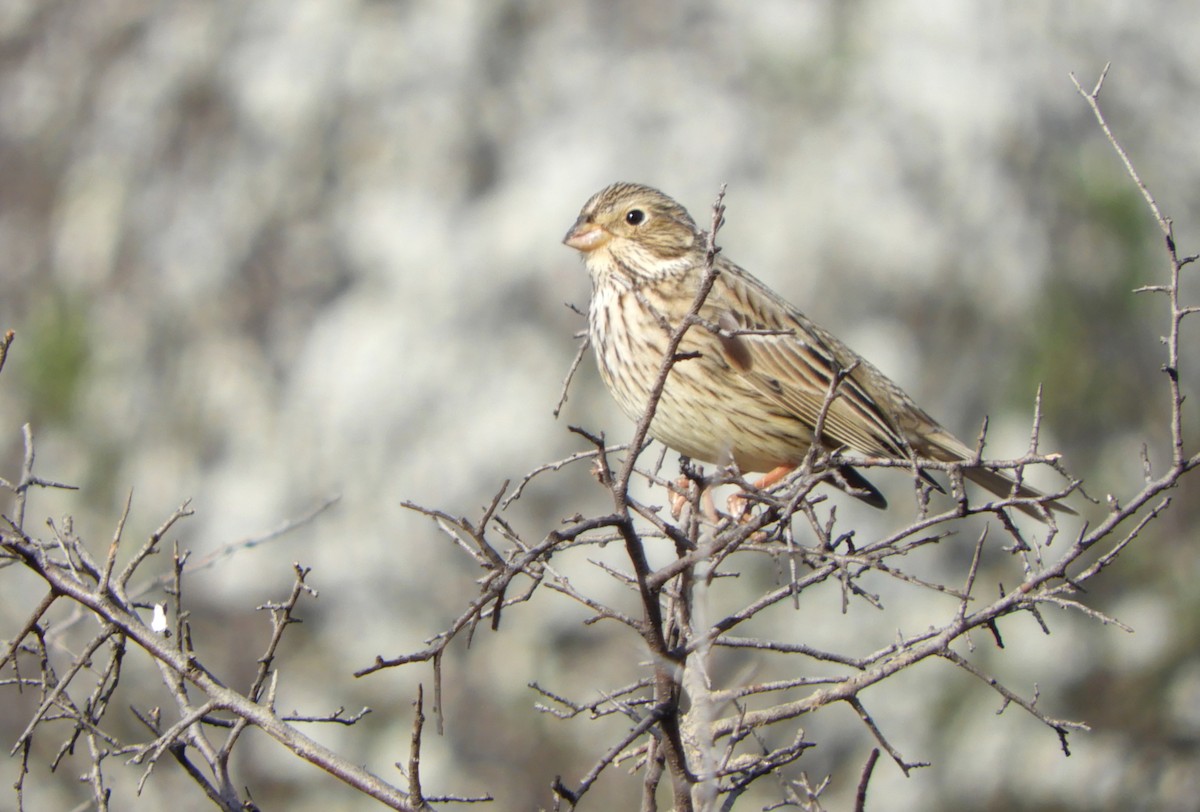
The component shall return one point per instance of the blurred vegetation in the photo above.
(56, 353)
(1091, 340)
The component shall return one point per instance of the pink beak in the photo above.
(586, 237)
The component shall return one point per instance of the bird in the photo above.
(753, 373)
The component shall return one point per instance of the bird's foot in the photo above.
(739, 503)
(681, 495)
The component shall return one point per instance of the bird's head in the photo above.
(638, 228)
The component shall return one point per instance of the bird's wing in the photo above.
(793, 362)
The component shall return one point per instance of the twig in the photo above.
(584, 343)
(860, 797)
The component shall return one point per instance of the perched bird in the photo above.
(756, 371)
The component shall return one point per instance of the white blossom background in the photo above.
(259, 254)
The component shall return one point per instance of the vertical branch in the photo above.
(697, 681)
(27, 478)
(415, 794)
(111, 559)
(666, 662)
(1178, 456)
(5, 342)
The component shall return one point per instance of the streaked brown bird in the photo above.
(759, 370)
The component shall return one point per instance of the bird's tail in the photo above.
(1002, 485)
(946, 447)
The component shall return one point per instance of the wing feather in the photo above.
(795, 363)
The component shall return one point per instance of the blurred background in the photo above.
(261, 254)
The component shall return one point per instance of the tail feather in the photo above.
(1002, 485)
(944, 446)
(860, 487)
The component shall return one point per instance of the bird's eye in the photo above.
(635, 217)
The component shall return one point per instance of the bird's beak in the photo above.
(586, 237)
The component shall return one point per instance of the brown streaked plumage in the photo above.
(749, 398)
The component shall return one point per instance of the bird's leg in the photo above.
(739, 504)
(680, 495)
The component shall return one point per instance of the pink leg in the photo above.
(739, 504)
(679, 498)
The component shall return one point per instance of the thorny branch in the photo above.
(101, 590)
